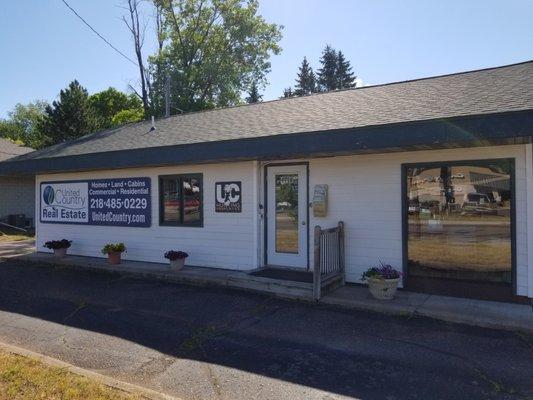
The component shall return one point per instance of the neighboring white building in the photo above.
(17, 194)
(243, 187)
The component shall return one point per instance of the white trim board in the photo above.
(529, 212)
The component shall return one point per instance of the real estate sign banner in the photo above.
(110, 202)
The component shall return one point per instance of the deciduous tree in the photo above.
(109, 102)
(212, 51)
(22, 124)
(127, 116)
(137, 28)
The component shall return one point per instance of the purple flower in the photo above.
(384, 271)
(175, 255)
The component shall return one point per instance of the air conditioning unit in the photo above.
(18, 220)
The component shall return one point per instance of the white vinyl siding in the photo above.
(227, 240)
(17, 196)
(365, 192)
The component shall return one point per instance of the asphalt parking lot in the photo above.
(213, 343)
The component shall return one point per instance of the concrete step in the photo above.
(253, 278)
(280, 288)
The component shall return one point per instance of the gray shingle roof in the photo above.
(9, 149)
(488, 91)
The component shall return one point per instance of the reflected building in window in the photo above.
(459, 221)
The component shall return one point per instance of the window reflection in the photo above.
(191, 200)
(181, 202)
(171, 201)
(459, 221)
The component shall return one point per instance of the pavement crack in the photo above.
(414, 313)
(109, 282)
(156, 365)
(215, 383)
(526, 338)
(204, 333)
(496, 386)
(199, 336)
(63, 339)
(81, 305)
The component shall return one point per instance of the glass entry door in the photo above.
(287, 216)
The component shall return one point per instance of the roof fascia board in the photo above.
(468, 131)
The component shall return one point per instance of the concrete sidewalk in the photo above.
(489, 314)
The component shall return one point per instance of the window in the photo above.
(180, 199)
(286, 192)
(459, 222)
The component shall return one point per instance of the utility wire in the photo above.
(100, 36)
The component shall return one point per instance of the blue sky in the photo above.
(44, 46)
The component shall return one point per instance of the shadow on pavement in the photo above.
(356, 354)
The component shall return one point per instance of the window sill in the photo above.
(169, 224)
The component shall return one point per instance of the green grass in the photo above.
(22, 378)
(481, 256)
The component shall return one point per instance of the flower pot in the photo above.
(176, 265)
(60, 253)
(113, 258)
(383, 289)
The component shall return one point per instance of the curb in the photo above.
(228, 282)
(433, 315)
(95, 376)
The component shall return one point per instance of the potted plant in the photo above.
(176, 258)
(59, 246)
(382, 281)
(114, 252)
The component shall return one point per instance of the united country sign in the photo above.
(112, 202)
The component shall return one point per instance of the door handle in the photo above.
(303, 222)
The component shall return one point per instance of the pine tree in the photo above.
(253, 94)
(306, 81)
(69, 117)
(287, 92)
(327, 75)
(345, 76)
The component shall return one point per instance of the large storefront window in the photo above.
(459, 221)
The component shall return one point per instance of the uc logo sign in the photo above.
(48, 195)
